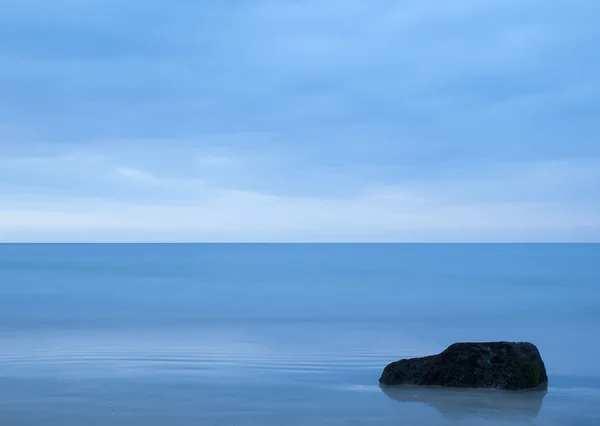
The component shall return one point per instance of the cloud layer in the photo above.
(299, 121)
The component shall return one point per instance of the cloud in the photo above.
(420, 68)
(256, 217)
(322, 120)
(138, 175)
(184, 186)
(520, 202)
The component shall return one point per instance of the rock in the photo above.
(500, 365)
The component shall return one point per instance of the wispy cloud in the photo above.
(513, 204)
(268, 218)
(138, 175)
(144, 177)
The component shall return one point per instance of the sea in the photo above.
(288, 334)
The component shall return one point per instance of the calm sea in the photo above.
(269, 334)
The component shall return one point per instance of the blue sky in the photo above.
(328, 120)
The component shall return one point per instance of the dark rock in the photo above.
(500, 365)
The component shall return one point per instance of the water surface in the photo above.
(287, 334)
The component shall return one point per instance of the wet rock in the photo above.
(500, 365)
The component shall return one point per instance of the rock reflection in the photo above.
(460, 404)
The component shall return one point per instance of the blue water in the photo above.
(287, 334)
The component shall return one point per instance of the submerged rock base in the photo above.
(500, 365)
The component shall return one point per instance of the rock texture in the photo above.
(500, 365)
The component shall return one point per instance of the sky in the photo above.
(299, 120)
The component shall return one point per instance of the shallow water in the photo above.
(294, 335)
